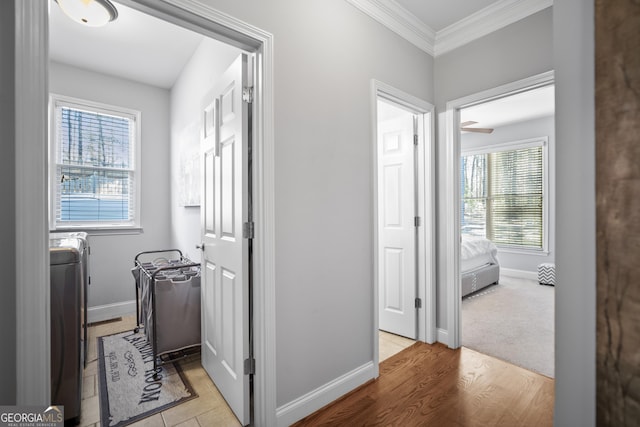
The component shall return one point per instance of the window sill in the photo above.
(100, 231)
(516, 251)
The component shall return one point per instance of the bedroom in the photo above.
(507, 177)
(512, 203)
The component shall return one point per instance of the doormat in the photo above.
(128, 389)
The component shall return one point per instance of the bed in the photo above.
(479, 265)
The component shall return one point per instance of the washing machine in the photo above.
(68, 256)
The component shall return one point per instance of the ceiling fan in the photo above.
(464, 126)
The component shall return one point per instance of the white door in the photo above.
(225, 320)
(396, 221)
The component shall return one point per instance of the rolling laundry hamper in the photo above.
(168, 303)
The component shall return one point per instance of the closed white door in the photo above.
(225, 296)
(396, 221)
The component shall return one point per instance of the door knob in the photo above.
(200, 246)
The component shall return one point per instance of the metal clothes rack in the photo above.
(168, 303)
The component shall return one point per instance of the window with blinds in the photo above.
(503, 195)
(93, 166)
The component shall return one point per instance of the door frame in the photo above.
(451, 220)
(426, 204)
(32, 300)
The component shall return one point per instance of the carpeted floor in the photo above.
(513, 321)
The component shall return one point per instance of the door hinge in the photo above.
(247, 94)
(416, 221)
(418, 303)
(249, 366)
(248, 230)
(415, 139)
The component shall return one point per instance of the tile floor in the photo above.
(390, 344)
(208, 409)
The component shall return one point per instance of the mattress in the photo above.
(476, 252)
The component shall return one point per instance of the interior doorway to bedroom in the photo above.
(507, 227)
(403, 221)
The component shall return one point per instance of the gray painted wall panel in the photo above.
(209, 61)
(326, 53)
(112, 255)
(575, 214)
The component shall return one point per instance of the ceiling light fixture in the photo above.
(92, 13)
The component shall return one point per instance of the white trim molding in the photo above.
(443, 336)
(404, 23)
(400, 21)
(492, 18)
(101, 313)
(33, 365)
(426, 288)
(519, 274)
(299, 408)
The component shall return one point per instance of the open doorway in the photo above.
(507, 227)
(169, 77)
(403, 221)
(507, 210)
(32, 89)
(397, 230)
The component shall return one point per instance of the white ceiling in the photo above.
(528, 105)
(135, 46)
(439, 14)
(142, 48)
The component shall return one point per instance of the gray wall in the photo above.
(7, 213)
(210, 60)
(575, 324)
(326, 53)
(517, 132)
(112, 255)
(518, 51)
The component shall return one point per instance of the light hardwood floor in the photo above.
(208, 409)
(419, 384)
(434, 385)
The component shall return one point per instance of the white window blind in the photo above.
(502, 197)
(94, 177)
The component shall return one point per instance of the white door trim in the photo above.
(451, 220)
(33, 370)
(33, 361)
(426, 176)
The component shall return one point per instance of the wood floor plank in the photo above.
(434, 385)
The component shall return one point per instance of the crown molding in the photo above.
(399, 20)
(485, 21)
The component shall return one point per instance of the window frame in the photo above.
(56, 100)
(542, 141)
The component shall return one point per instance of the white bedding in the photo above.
(476, 252)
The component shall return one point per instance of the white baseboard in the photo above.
(101, 313)
(309, 403)
(520, 274)
(443, 336)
